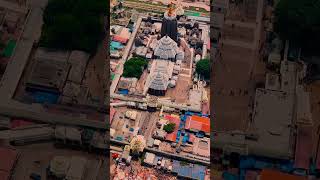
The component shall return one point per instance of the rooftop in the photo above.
(198, 123)
(272, 117)
(78, 61)
(49, 74)
(166, 48)
(160, 73)
(172, 119)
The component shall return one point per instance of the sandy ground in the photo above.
(229, 78)
(181, 92)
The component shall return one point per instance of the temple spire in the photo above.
(171, 9)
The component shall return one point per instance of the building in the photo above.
(77, 168)
(149, 159)
(48, 54)
(158, 79)
(4, 122)
(122, 35)
(74, 93)
(196, 172)
(48, 75)
(166, 48)
(198, 124)
(59, 166)
(160, 134)
(127, 85)
(176, 120)
(272, 118)
(170, 25)
(271, 128)
(201, 147)
(78, 61)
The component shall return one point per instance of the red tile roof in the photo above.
(119, 39)
(198, 123)
(8, 157)
(172, 136)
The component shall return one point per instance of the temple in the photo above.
(170, 24)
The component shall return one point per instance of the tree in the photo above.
(137, 145)
(73, 24)
(203, 68)
(299, 22)
(134, 67)
(169, 128)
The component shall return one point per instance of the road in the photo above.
(16, 65)
(163, 8)
(148, 124)
(124, 57)
(14, 70)
(165, 154)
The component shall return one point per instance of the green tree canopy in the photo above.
(203, 68)
(299, 22)
(134, 67)
(73, 24)
(169, 128)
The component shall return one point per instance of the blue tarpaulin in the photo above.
(45, 97)
(178, 136)
(185, 138)
(125, 91)
(116, 45)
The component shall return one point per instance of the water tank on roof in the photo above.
(176, 68)
(198, 57)
(172, 83)
(174, 78)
